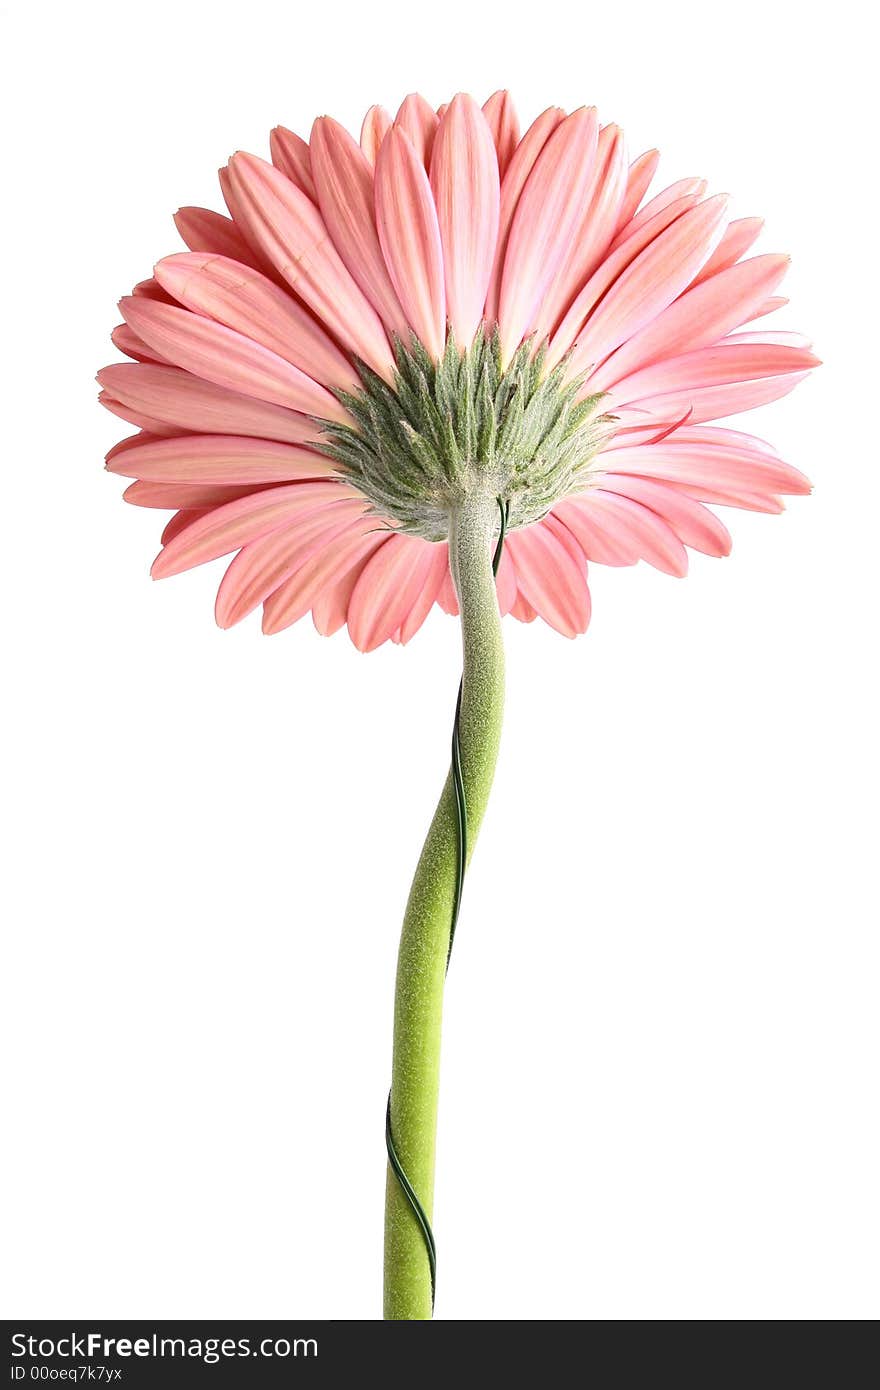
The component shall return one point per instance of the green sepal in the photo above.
(450, 430)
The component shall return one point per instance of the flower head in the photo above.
(379, 330)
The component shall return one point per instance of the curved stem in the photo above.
(424, 942)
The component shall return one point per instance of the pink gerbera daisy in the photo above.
(447, 365)
(322, 375)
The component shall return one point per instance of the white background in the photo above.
(659, 1081)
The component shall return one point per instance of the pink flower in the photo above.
(447, 275)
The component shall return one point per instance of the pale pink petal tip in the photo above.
(290, 154)
(501, 116)
(377, 123)
(418, 120)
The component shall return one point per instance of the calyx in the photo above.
(449, 430)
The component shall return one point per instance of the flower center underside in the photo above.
(448, 430)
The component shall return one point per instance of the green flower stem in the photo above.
(424, 942)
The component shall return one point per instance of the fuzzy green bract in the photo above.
(448, 430)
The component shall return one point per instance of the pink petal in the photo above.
(133, 441)
(467, 192)
(226, 358)
(781, 337)
(187, 496)
(515, 177)
(265, 564)
(628, 524)
(720, 365)
(602, 212)
(747, 501)
(376, 126)
(290, 154)
(641, 172)
(128, 342)
(217, 458)
(775, 301)
(148, 423)
(344, 181)
(712, 458)
(594, 233)
(447, 599)
(292, 233)
(697, 318)
(603, 539)
(245, 300)
(610, 270)
(233, 206)
(575, 551)
(709, 434)
(682, 188)
(436, 567)
(504, 125)
(703, 403)
(324, 568)
(179, 522)
(550, 579)
(229, 527)
(523, 611)
(570, 542)
(543, 224)
(418, 121)
(387, 590)
(151, 289)
(211, 232)
(410, 238)
(739, 237)
(649, 284)
(693, 523)
(257, 257)
(171, 397)
(333, 591)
